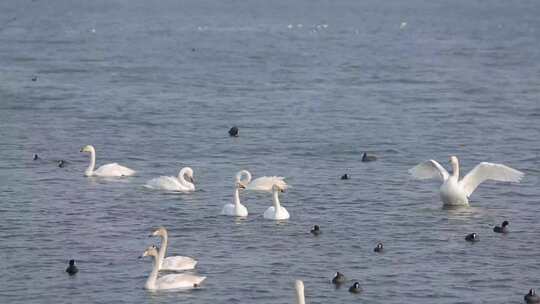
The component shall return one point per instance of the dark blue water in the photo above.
(311, 84)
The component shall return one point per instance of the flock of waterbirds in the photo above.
(453, 192)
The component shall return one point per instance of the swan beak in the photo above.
(241, 186)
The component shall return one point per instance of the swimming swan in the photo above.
(236, 208)
(108, 170)
(172, 263)
(170, 281)
(276, 212)
(455, 192)
(171, 183)
(299, 286)
(263, 183)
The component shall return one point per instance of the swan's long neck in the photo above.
(183, 180)
(275, 199)
(455, 168)
(90, 170)
(163, 249)
(300, 299)
(236, 199)
(151, 281)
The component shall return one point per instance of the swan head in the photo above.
(88, 148)
(240, 175)
(161, 231)
(299, 285)
(277, 188)
(454, 161)
(239, 185)
(187, 173)
(150, 251)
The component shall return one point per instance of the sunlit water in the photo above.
(155, 85)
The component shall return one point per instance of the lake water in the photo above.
(155, 85)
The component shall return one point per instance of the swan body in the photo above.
(170, 281)
(263, 183)
(276, 212)
(299, 286)
(455, 192)
(108, 170)
(236, 208)
(183, 183)
(172, 263)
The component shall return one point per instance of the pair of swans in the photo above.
(183, 183)
(455, 192)
(274, 184)
(172, 263)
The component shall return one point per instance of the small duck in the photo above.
(315, 230)
(72, 269)
(502, 229)
(355, 288)
(473, 237)
(531, 297)
(61, 163)
(368, 158)
(379, 248)
(339, 278)
(35, 157)
(233, 132)
(34, 78)
(345, 176)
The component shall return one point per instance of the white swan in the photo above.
(108, 170)
(299, 286)
(170, 281)
(172, 263)
(455, 192)
(263, 183)
(171, 183)
(236, 208)
(276, 212)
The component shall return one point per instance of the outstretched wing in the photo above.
(484, 171)
(428, 170)
(265, 183)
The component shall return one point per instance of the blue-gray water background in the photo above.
(155, 85)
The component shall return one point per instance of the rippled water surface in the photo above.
(155, 85)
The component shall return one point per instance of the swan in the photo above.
(276, 212)
(172, 263)
(455, 192)
(169, 281)
(236, 208)
(299, 286)
(263, 183)
(108, 170)
(171, 183)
